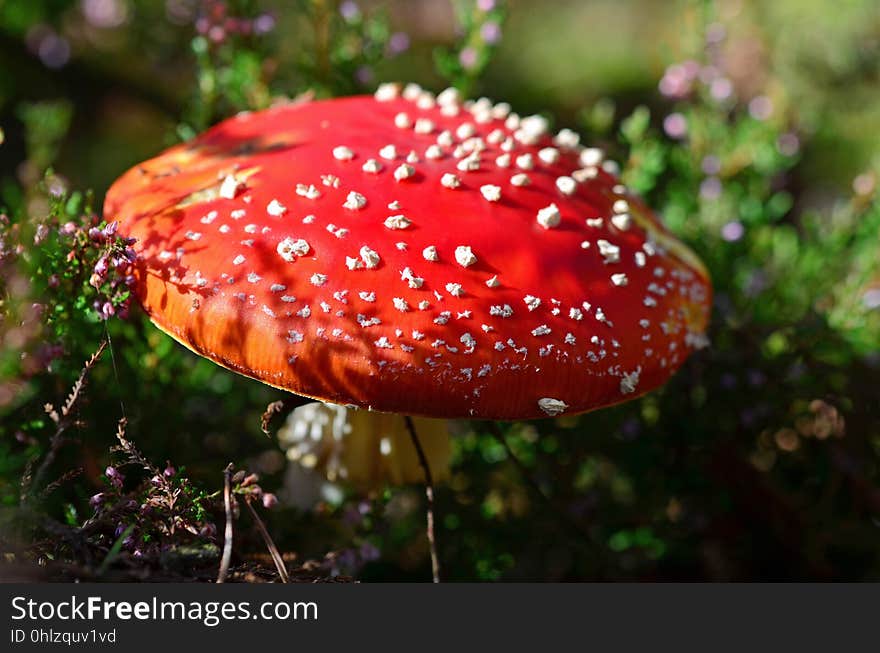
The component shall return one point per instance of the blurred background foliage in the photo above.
(753, 127)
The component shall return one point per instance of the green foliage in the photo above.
(479, 23)
(229, 58)
(45, 124)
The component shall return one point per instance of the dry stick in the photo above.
(429, 494)
(62, 421)
(273, 550)
(532, 483)
(227, 535)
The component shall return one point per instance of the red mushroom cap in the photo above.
(414, 254)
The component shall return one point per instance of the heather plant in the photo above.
(758, 460)
(478, 28)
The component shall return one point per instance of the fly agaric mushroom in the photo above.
(414, 254)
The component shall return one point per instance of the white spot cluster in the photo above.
(449, 180)
(464, 256)
(289, 248)
(343, 153)
(549, 217)
(491, 192)
(552, 407)
(370, 258)
(397, 222)
(355, 201)
(276, 208)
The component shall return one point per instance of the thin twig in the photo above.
(429, 494)
(273, 550)
(126, 446)
(62, 422)
(69, 475)
(495, 431)
(227, 535)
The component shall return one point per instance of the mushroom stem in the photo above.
(429, 494)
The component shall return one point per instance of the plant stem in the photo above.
(227, 535)
(429, 494)
(273, 550)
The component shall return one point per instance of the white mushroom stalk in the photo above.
(363, 449)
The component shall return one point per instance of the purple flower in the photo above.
(720, 89)
(678, 79)
(101, 266)
(347, 560)
(871, 299)
(105, 14)
(727, 381)
(864, 184)
(788, 144)
(349, 11)
(269, 500)
(761, 107)
(369, 552)
(41, 234)
(97, 500)
(114, 476)
(756, 378)
(675, 126)
(707, 74)
(217, 34)
(107, 310)
(57, 186)
(732, 231)
(169, 471)
(468, 58)
(263, 24)
(630, 428)
(490, 32)
(715, 33)
(485, 5)
(710, 164)
(398, 43)
(52, 49)
(756, 283)
(710, 188)
(364, 75)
